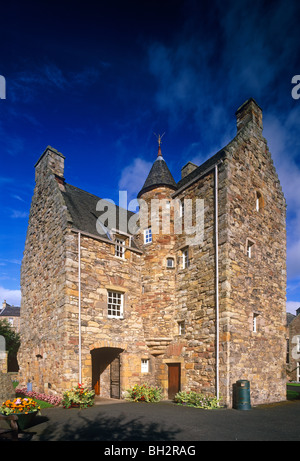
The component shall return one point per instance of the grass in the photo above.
(41, 403)
(293, 395)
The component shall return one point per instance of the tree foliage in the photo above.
(12, 338)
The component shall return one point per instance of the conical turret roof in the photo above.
(159, 175)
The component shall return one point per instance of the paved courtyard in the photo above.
(119, 421)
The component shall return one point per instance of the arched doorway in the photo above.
(106, 371)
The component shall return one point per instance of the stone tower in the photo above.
(157, 241)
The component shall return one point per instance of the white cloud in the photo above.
(12, 297)
(18, 214)
(133, 177)
(291, 306)
(282, 141)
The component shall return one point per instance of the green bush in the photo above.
(196, 399)
(78, 397)
(144, 393)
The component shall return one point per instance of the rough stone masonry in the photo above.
(121, 308)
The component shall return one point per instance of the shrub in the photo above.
(144, 393)
(79, 396)
(196, 399)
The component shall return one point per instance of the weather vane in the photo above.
(159, 138)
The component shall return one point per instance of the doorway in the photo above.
(174, 372)
(115, 378)
(106, 372)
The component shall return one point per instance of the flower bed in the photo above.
(19, 405)
(79, 396)
(144, 393)
(197, 400)
(52, 399)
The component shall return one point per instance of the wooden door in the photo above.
(173, 379)
(115, 378)
(97, 387)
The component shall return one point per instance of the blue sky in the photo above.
(95, 80)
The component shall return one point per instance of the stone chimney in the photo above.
(249, 112)
(187, 169)
(50, 161)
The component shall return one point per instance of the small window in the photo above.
(254, 329)
(145, 366)
(181, 327)
(181, 210)
(250, 246)
(185, 258)
(148, 235)
(259, 201)
(120, 248)
(115, 304)
(170, 262)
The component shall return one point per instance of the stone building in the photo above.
(11, 314)
(189, 294)
(293, 349)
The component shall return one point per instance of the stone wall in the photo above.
(6, 388)
(294, 349)
(41, 354)
(102, 271)
(256, 285)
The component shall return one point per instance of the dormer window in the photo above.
(120, 248)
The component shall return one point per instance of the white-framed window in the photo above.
(120, 248)
(11, 321)
(298, 371)
(181, 327)
(115, 302)
(170, 262)
(148, 235)
(185, 258)
(249, 248)
(254, 327)
(145, 365)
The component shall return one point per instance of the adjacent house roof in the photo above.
(289, 317)
(10, 311)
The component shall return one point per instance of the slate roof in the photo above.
(82, 208)
(82, 205)
(10, 311)
(159, 175)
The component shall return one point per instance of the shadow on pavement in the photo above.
(103, 428)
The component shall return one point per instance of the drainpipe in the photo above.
(217, 279)
(79, 307)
